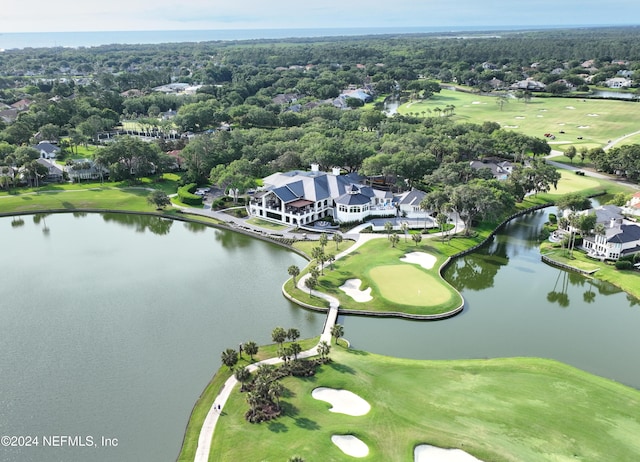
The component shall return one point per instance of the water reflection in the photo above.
(478, 273)
(140, 223)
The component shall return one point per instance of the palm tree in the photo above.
(279, 335)
(296, 459)
(276, 389)
(394, 239)
(293, 334)
(388, 227)
(337, 238)
(295, 349)
(323, 349)
(323, 240)
(416, 238)
(310, 283)
(242, 375)
(404, 226)
(331, 259)
(229, 357)
(294, 272)
(251, 348)
(337, 331)
(502, 100)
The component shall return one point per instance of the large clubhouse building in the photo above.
(299, 198)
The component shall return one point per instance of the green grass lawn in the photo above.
(266, 224)
(518, 409)
(208, 396)
(89, 195)
(596, 121)
(377, 264)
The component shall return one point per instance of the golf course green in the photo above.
(517, 409)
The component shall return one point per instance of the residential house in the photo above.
(632, 207)
(82, 170)
(54, 172)
(47, 150)
(22, 105)
(618, 82)
(528, 84)
(500, 169)
(621, 237)
(300, 198)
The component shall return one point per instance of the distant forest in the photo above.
(266, 105)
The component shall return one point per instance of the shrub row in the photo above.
(186, 196)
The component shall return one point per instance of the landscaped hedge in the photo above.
(624, 265)
(186, 196)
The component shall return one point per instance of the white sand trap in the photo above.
(561, 124)
(351, 287)
(420, 258)
(350, 445)
(570, 107)
(510, 126)
(519, 117)
(540, 116)
(542, 110)
(583, 126)
(476, 102)
(593, 115)
(343, 401)
(428, 453)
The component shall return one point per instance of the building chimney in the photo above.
(335, 171)
(315, 167)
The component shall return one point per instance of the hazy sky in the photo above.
(105, 15)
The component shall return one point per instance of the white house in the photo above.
(621, 237)
(300, 198)
(632, 207)
(618, 82)
(47, 150)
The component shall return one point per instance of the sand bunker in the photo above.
(477, 102)
(351, 287)
(342, 401)
(583, 126)
(540, 116)
(350, 445)
(593, 115)
(420, 258)
(510, 126)
(427, 453)
(519, 117)
(570, 107)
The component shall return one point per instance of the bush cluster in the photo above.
(186, 196)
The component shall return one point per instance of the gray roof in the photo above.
(413, 197)
(47, 147)
(353, 199)
(624, 234)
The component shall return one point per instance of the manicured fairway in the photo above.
(516, 409)
(595, 121)
(408, 285)
(570, 182)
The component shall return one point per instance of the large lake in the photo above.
(112, 325)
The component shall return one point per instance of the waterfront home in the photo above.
(300, 198)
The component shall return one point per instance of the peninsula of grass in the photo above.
(397, 287)
(266, 224)
(513, 409)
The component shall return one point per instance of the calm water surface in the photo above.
(518, 306)
(112, 325)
